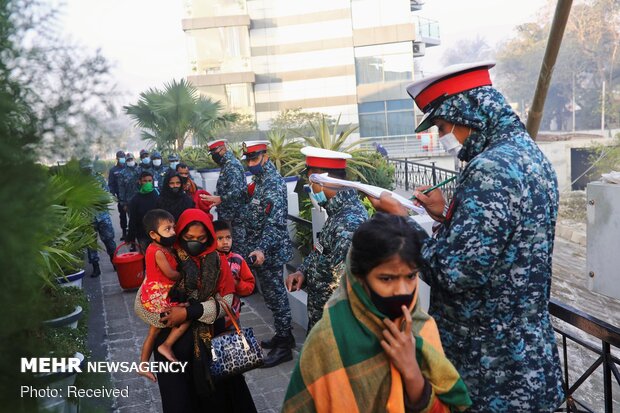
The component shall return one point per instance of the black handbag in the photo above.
(234, 352)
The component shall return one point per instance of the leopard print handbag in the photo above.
(234, 352)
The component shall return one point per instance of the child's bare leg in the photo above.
(165, 349)
(147, 349)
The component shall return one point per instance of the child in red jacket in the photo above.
(244, 279)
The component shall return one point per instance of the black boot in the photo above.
(277, 356)
(111, 258)
(96, 270)
(124, 234)
(273, 342)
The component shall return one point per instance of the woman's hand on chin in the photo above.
(175, 316)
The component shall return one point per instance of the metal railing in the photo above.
(408, 175)
(406, 146)
(607, 334)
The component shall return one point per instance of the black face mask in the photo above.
(391, 306)
(193, 248)
(176, 191)
(167, 241)
(217, 158)
(183, 179)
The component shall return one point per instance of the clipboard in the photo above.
(370, 190)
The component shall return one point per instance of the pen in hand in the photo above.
(432, 188)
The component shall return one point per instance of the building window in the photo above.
(386, 118)
(384, 63)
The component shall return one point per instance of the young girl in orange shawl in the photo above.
(374, 349)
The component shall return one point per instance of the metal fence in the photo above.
(607, 335)
(406, 146)
(408, 175)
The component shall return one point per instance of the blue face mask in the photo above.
(319, 197)
(146, 160)
(258, 168)
(121, 161)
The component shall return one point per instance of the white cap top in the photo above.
(415, 88)
(324, 153)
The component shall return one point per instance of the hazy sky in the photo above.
(145, 40)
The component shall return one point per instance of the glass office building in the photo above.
(348, 58)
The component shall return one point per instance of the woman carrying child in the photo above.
(206, 281)
(161, 275)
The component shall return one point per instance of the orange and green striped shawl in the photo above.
(343, 368)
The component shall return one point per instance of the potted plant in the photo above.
(77, 198)
(66, 306)
(62, 339)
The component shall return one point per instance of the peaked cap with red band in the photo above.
(429, 91)
(216, 144)
(251, 149)
(324, 158)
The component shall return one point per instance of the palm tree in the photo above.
(170, 116)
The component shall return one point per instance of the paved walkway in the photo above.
(116, 334)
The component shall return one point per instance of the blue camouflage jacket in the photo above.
(266, 218)
(345, 213)
(113, 179)
(128, 183)
(233, 190)
(491, 261)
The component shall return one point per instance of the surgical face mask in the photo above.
(131, 163)
(121, 160)
(146, 160)
(173, 165)
(391, 306)
(450, 143)
(156, 162)
(319, 197)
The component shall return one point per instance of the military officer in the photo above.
(159, 170)
(128, 182)
(113, 184)
(232, 192)
(173, 161)
(102, 223)
(345, 213)
(145, 161)
(267, 239)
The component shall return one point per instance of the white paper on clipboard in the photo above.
(373, 191)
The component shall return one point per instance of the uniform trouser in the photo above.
(272, 285)
(103, 226)
(123, 216)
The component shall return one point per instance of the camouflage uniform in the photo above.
(491, 261)
(345, 213)
(231, 187)
(103, 226)
(114, 177)
(128, 184)
(266, 227)
(146, 168)
(159, 174)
